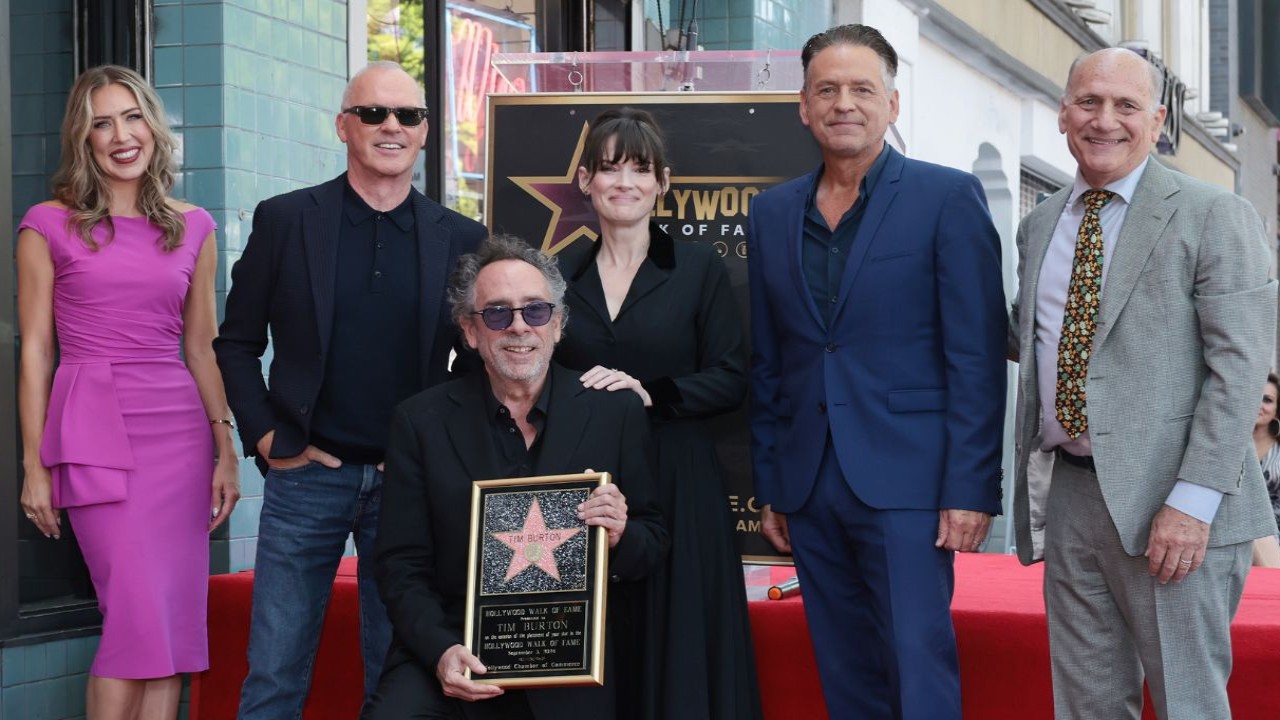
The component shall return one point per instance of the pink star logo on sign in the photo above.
(534, 544)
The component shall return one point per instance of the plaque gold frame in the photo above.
(597, 574)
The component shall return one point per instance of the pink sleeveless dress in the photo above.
(127, 439)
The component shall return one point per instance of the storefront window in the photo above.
(755, 25)
(478, 31)
(396, 33)
(474, 33)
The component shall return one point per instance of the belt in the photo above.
(1084, 462)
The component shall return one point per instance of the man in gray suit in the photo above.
(1145, 322)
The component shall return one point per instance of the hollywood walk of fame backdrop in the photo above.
(723, 148)
(536, 582)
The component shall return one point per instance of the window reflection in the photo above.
(478, 31)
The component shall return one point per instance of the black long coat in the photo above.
(678, 332)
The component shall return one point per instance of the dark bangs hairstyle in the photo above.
(635, 136)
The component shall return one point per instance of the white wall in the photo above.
(954, 109)
(1042, 147)
(1150, 15)
(1110, 31)
(1189, 23)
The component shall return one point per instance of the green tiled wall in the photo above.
(252, 87)
(45, 681)
(40, 49)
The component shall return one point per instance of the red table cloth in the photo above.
(1004, 646)
(1000, 629)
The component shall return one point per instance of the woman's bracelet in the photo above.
(228, 423)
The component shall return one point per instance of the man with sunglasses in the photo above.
(347, 279)
(523, 416)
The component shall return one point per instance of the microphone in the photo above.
(785, 589)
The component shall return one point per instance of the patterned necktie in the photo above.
(1080, 317)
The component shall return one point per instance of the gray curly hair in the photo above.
(495, 248)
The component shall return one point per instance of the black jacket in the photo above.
(440, 442)
(284, 282)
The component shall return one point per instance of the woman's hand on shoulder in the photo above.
(612, 379)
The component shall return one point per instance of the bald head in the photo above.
(376, 72)
(1124, 60)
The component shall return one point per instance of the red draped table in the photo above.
(337, 685)
(1004, 646)
(1000, 628)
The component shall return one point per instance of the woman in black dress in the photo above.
(656, 317)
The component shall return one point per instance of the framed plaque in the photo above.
(536, 582)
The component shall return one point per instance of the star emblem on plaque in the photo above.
(534, 544)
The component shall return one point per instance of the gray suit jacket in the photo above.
(1185, 332)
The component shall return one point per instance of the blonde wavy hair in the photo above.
(80, 183)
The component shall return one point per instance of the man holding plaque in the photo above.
(878, 384)
(522, 417)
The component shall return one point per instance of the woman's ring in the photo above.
(31, 516)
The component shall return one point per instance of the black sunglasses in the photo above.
(377, 114)
(500, 317)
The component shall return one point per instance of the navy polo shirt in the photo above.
(374, 357)
(823, 250)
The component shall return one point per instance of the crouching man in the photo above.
(523, 416)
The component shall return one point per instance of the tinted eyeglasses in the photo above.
(500, 317)
(377, 114)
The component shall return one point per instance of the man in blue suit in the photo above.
(878, 385)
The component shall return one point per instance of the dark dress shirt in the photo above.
(514, 459)
(824, 250)
(373, 360)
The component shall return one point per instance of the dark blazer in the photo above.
(284, 281)
(441, 442)
(909, 377)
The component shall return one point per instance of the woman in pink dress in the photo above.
(125, 435)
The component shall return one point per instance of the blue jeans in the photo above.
(307, 514)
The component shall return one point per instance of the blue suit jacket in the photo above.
(910, 376)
